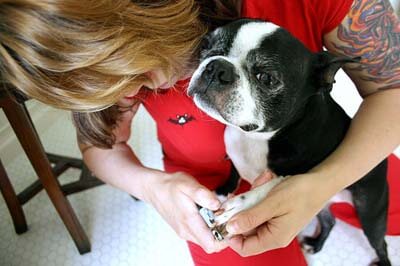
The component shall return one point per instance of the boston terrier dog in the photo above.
(274, 96)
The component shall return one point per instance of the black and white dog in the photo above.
(274, 96)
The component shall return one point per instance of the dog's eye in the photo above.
(267, 79)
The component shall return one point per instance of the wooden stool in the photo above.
(19, 118)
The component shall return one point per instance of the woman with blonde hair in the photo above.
(102, 59)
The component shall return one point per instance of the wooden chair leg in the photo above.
(12, 202)
(30, 142)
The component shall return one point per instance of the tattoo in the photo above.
(372, 32)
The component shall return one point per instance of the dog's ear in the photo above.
(326, 67)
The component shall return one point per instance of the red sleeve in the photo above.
(330, 13)
(307, 20)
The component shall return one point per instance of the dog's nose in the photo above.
(220, 71)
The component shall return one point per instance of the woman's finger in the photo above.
(260, 242)
(203, 236)
(249, 219)
(200, 194)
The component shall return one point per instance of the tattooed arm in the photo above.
(371, 31)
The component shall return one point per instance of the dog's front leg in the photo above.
(235, 205)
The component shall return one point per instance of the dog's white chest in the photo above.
(247, 152)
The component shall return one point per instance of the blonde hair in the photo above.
(85, 55)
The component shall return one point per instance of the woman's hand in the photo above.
(175, 197)
(277, 220)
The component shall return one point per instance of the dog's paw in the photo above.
(244, 201)
(229, 208)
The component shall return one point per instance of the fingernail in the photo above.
(231, 227)
(215, 204)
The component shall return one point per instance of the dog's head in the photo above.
(257, 76)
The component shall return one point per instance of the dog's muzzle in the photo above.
(217, 74)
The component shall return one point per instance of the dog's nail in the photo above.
(219, 212)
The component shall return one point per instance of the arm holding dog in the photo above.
(373, 134)
(121, 168)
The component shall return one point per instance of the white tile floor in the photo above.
(125, 232)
